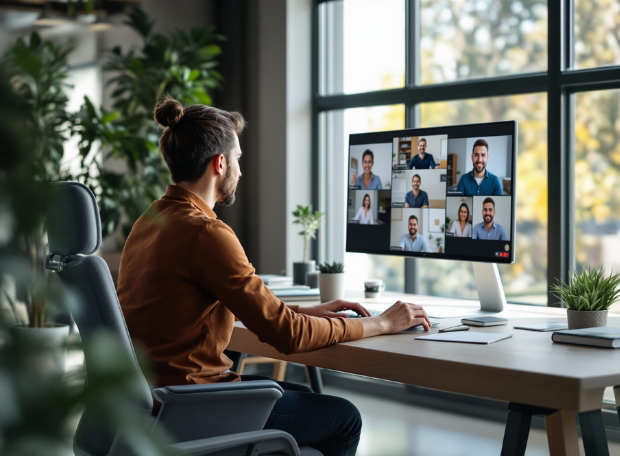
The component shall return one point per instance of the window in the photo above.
(548, 65)
(368, 38)
(481, 38)
(597, 33)
(597, 174)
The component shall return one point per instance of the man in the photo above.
(489, 229)
(422, 160)
(416, 197)
(184, 278)
(479, 181)
(413, 242)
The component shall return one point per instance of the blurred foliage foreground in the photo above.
(39, 408)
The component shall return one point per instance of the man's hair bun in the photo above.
(168, 112)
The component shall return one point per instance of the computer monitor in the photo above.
(444, 192)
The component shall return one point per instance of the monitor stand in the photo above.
(490, 292)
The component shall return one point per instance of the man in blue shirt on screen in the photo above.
(422, 160)
(489, 229)
(414, 242)
(416, 197)
(480, 181)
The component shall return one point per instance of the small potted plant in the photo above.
(310, 222)
(331, 281)
(587, 296)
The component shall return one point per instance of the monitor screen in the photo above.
(446, 192)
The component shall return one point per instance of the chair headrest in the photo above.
(73, 223)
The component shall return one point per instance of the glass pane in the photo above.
(526, 280)
(335, 128)
(478, 38)
(597, 33)
(362, 45)
(597, 174)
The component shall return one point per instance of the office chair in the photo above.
(215, 419)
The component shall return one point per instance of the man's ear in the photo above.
(219, 163)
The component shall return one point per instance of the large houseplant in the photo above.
(40, 407)
(588, 296)
(310, 222)
(38, 71)
(180, 64)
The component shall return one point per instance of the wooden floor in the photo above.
(394, 429)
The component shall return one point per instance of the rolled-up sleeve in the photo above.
(219, 263)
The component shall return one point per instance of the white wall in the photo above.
(502, 211)
(382, 165)
(298, 123)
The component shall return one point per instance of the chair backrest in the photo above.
(74, 233)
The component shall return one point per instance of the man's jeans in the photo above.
(330, 424)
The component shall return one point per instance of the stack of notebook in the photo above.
(284, 288)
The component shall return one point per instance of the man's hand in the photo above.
(403, 315)
(329, 309)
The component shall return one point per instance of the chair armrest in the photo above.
(192, 412)
(267, 441)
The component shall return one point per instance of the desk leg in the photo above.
(314, 379)
(593, 433)
(562, 433)
(516, 433)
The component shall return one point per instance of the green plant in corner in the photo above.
(180, 64)
(37, 72)
(334, 268)
(588, 290)
(310, 222)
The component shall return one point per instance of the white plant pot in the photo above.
(332, 286)
(47, 346)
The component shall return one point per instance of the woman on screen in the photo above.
(367, 181)
(461, 227)
(364, 214)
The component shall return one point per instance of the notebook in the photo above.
(595, 337)
(466, 337)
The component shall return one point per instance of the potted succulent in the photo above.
(331, 281)
(310, 222)
(588, 296)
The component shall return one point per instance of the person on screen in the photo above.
(461, 227)
(416, 197)
(367, 181)
(413, 242)
(479, 181)
(422, 160)
(489, 229)
(364, 214)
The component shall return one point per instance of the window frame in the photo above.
(560, 82)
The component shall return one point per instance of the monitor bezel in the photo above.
(502, 128)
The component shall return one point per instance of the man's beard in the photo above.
(485, 219)
(484, 166)
(227, 189)
(413, 232)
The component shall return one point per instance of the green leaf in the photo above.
(193, 75)
(110, 117)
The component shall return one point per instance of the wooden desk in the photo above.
(526, 369)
